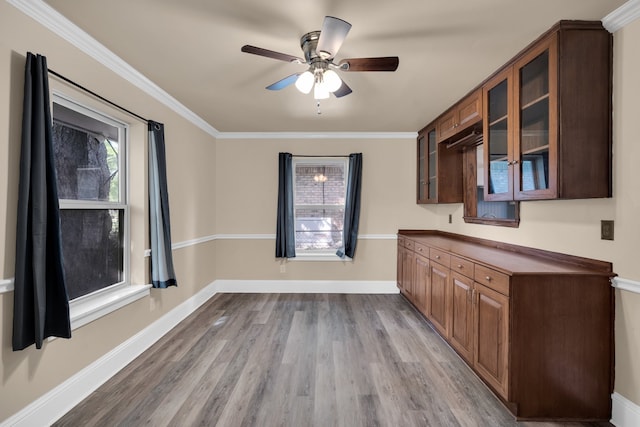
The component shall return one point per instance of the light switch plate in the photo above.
(606, 230)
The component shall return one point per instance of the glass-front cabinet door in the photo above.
(422, 186)
(497, 125)
(427, 166)
(535, 139)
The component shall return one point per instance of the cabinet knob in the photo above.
(459, 266)
(419, 249)
(437, 256)
(488, 278)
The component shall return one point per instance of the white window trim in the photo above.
(318, 254)
(90, 307)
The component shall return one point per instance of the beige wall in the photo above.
(28, 374)
(247, 188)
(215, 188)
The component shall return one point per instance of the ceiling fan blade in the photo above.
(271, 54)
(342, 91)
(281, 84)
(387, 63)
(332, 35)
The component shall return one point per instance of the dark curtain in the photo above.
(285, 232)
(40, 300)
(162, 273)
(352, 207)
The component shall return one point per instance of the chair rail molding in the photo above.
(626, 285)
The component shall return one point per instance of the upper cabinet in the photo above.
(543, 121)
(547, 121)
(439, 177)
(461, 116)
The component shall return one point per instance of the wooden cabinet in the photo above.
(422, 281)
(439, 296)
(545, 124)
(462, 337)
(461, 116)
(491, 338)
(545, 136)
(439, 179)
(536, 326)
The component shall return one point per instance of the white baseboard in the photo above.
(57, 402)
(308, 286)
(625, 413)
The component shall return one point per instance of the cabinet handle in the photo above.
(488, 278)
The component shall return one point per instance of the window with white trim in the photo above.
(319, 192)
(90, 150)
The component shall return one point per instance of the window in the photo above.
(319, 197)
(90, 152)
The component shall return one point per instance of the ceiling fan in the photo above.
(320, 49)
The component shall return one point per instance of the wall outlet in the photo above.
(606, 230)
(283, 268)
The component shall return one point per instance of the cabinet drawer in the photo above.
(462, 266)
(409, 244)
(493, 279)
(440, 257)
(421, 249)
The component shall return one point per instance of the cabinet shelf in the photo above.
(536, 150)
(500, 121)
(535, 101)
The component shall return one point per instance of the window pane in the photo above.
(319, 228)
(87, 156)
(319, 184)
(92, 244)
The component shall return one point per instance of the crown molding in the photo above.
(619, 18)
(58, 24)
(317, 135)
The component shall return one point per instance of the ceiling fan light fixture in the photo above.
(320, 91)
(332, 80)
(305, 81)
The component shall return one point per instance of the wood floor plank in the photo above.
(298, 360)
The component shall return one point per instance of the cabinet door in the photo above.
(491, 337)
(399, 265)
(438, 298)
(470, 110)
(461, 316)
(497, 128)
(408, 279)
(535, 139)
(422, 283)
(427, 183)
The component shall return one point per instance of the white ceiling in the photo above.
(191, 49)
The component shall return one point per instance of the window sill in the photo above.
(319, 257)
(87, 309)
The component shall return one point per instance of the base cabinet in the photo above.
(536, 326)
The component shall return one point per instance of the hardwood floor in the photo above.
(297, 360)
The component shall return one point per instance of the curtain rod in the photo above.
(303, 155)
(79, 86)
